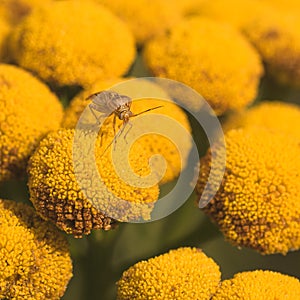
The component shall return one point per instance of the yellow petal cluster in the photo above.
(146, 19)
(35, 261)
(13, 11)
(4, 32)
(276, 115)
(182, 274)
(235, 12)
(276, 36)
(272, 28)
(211, 57)
(23, 121)
(257, 204)
(151, 143)
(259, 285)
(73, 43)
(58, 196)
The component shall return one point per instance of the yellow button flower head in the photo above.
(235, 12)
(259, 285)
(291, 6)
(182, 274)
(277, 115)
(14, 11)
(152, 143)
(257, 205)
(4, 32)
(35, 261)
(146, 19)
(23, 121)
(73, 43)
(276, 37)
(211, 57)
(57, 194)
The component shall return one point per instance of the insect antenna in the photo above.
(124, 125)
(142, 112)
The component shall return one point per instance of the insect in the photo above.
(110, 102)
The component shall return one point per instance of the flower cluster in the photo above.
(23, 102)
(187, 273)
(211, 57)
(257, 205)
(72, 43)
(35, 261)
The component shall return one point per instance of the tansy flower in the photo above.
(257, 205)
(74, 203)
(274, 33)
(73, 43)
(259, 285)
(211, 57)
(14, 11)
(152, 143)
(235, 12)
(275, 115)
(23, 122)
(182, 274)
(146, 19)
(35, 261)
(4, 32)
(276, 37)
(291, 6)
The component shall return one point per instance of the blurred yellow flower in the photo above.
(259, 285)
(276, 36)
(146, 19)
(23, 122)
(13, 11)
(35, 261)
(73, 43)
(211, 57)
(275, 115)
(58, 196)
(182, 274)
(257, 205)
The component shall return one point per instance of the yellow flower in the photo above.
(235, 12)
(35, 261)
(13, 11)
(58, 195)
(211, 57)
(146, 19)
(73, 43)
(4, 32)
(152, 143)
(23, 121)
(291, 6)
(276, 37)
(272, 29)
(257, 205)
(276, 115)
(182, 274)
(259, 285)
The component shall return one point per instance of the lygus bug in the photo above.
(110, 102)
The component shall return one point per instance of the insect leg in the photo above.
(93, 112)
(125, 135)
